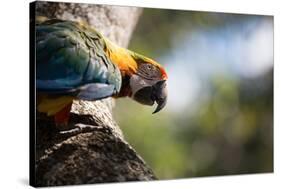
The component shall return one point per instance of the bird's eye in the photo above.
(149, 71)
(150, 67)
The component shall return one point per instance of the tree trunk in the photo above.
(102, 155)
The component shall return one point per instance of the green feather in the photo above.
(69, 56)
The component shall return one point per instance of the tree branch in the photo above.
(102, 155)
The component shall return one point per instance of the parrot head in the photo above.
(144, 80)
(148, 82)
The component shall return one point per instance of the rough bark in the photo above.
(102, 155)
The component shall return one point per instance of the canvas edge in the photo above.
(32, 113)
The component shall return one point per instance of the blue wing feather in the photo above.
(70, 60)
(96, 91)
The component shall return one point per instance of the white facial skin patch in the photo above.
(137, 82)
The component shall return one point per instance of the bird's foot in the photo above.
(82, 128)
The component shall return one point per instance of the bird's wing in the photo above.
(71, 60)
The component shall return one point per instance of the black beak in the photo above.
(159, 94)
(155, 93)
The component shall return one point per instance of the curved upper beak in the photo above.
(160, 94)
(154, 93)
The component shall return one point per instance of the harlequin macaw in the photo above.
(74, 61)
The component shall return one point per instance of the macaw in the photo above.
(75, 61)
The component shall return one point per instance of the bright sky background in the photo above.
(243, 50)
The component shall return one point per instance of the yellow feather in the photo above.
(121, 57)
(53, 105)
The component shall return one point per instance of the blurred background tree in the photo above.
(219, 117)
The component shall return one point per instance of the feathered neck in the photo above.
(121, 57)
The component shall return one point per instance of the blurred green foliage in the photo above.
(157, 28)
(229, 132)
